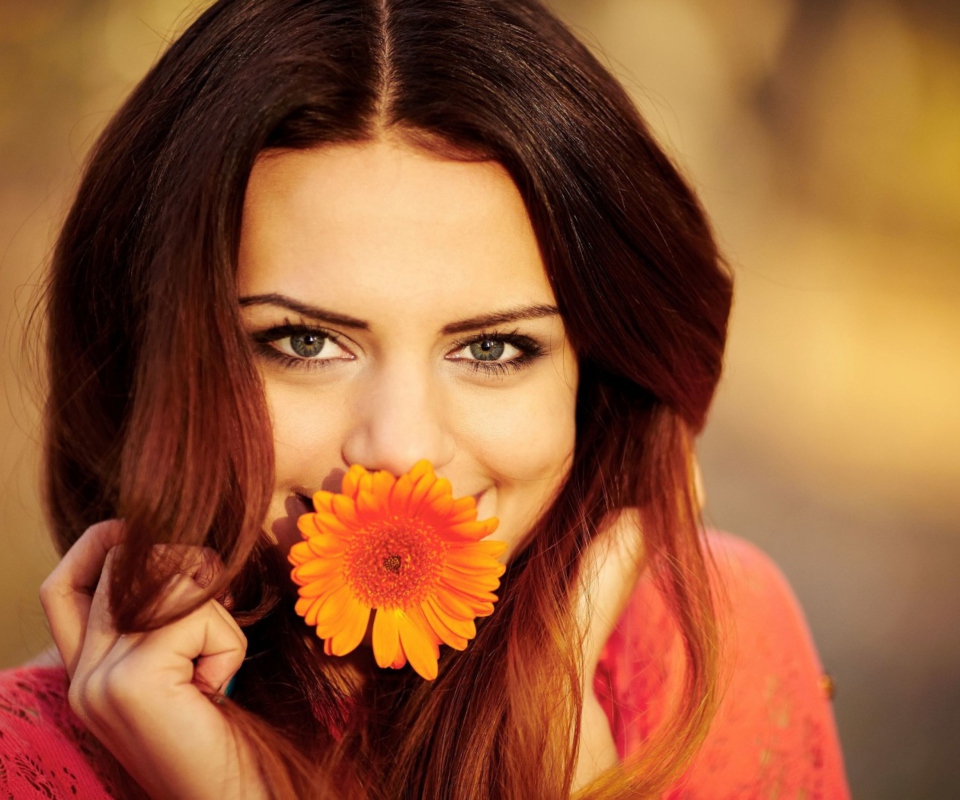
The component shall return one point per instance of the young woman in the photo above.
(326, 235)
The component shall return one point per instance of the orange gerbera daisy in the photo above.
(405, 548)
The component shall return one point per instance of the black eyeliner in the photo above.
(262, 344)
(530, 351)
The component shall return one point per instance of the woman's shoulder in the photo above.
(45, 752)
(748, 584)
(754, 600)
(775, 724)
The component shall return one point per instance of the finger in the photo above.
(67, 593)
(205, 648)
(184, 591)
(100, 633)
(216, 670)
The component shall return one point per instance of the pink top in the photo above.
(774, 735)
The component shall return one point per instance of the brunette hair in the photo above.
(156, 411)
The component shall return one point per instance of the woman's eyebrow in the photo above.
(535, 311)
(314, 312)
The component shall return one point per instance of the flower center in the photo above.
(394, 562)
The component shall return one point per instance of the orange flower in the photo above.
(405, 548)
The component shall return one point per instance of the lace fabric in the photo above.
(774, 737)
(45, 751)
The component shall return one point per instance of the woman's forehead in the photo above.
(381, 226)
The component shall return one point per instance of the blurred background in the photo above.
(824, 139)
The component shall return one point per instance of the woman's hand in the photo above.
(148, 696)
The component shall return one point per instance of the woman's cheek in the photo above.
(526, 434)
(305, 430)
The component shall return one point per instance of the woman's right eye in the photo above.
(298, 346)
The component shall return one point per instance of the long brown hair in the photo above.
(156, 412)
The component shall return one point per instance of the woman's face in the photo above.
(400, 310)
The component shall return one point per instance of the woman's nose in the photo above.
(398, 418)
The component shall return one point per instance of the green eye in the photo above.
(487, 350)
(307, 345)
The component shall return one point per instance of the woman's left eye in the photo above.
(491, 350)
(497, 353)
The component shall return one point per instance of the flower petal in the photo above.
(326, 546)
(470, 584)
(303, 605)
(421, 469)
(417, 647)
(454, 605)
(483, 609)
(490, 548)
(351, 481)
(299, 554)
(346, 510)
(310, 617)
(355, 621)
(420, 490)
(316, 569)
(366, 483)
(439, 489)
(442, 630)
(330, 615)
(386, 641)
(307, 525)
(441, 506)
(368, 504)
(383, 483)
(475, 601)
(322, 587)
(415, 612)
(464, 509)
(464, 560)
(323, 501)
(400, 495)
(462, 627)
(324, 524)
(473, 531)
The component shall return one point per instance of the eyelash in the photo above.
(263, 339)
(529, 349)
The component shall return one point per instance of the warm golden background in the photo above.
(824, 138)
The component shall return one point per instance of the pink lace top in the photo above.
(773, 738)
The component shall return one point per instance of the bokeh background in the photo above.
(824, 139)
